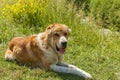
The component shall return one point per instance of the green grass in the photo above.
(87, 49)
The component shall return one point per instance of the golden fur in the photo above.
(44, 50)
(38, 50)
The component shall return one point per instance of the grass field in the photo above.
(88, 49)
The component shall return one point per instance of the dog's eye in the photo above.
(65, 34)
(56, 34)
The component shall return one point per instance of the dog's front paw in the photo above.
(88, 77)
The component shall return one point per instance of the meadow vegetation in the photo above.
(88, 48)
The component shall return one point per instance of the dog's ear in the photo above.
(68, 29)
(47, 35)
(50, 28)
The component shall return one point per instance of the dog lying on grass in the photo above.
(44, 50)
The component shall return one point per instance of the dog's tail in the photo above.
(9, 55)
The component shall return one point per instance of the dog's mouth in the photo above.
(61, 50)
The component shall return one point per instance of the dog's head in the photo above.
(58, 37)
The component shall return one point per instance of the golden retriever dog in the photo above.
(44, 50)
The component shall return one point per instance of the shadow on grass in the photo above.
(65, 76)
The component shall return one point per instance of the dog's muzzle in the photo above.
(64, 44)
(63, 47)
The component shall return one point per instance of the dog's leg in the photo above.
(71, 69)
(80, 71)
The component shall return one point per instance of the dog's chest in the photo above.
(51, 55)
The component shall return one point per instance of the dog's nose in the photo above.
(64, 44)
